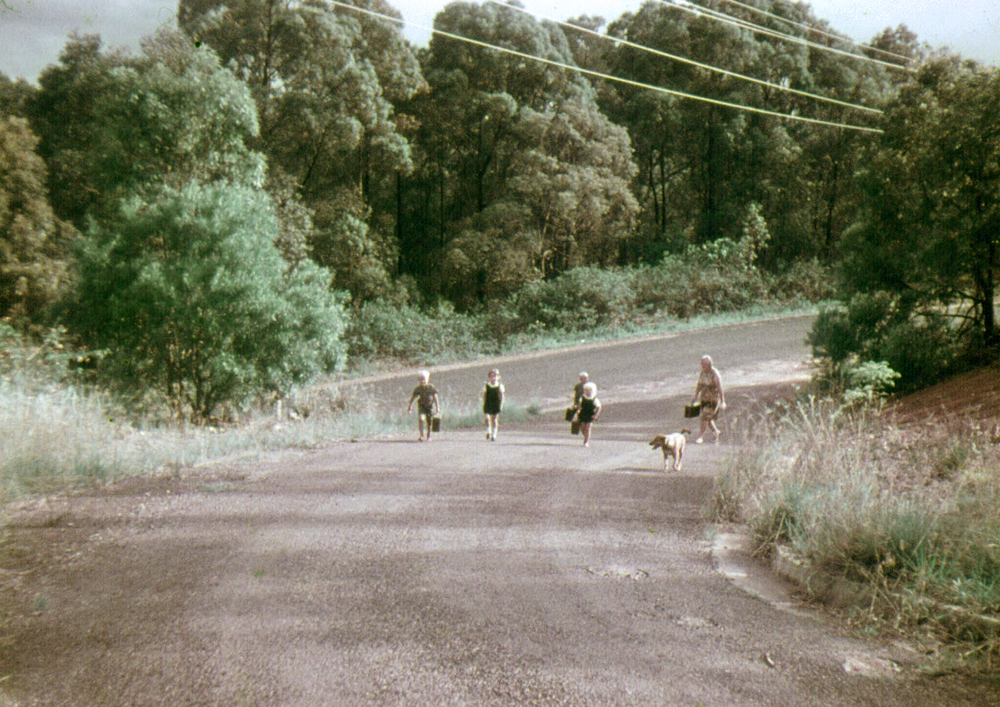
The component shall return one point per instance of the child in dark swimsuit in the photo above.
(493, 393)
(590, 410)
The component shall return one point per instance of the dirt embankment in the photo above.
(974, 395)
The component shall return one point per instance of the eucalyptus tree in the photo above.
(520, 173)
(67, 115)
(828, 196)
(929, 235)
(701, 164)
(112, 126)
(33, 241)
(587, 47)
(15, 96)
(568, 202)
(476, 93)
(685, 150)
(179, 280)
(325, 82)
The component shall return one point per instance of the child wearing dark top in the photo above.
(590, 410)
(493, 393)
(428, 403)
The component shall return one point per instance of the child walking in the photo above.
(428, 402)
(493, 393)
(590, 410)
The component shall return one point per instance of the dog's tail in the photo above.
(685, 431)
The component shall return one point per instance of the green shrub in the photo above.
(190, 298)
(383, 329)
(804, 280)
(869, 381)
(922, 350)
(664, 287)
(718, 276)
(579, 299)
(832, 336)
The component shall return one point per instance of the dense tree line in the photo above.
(303, 150)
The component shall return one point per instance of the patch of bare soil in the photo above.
(974, 395)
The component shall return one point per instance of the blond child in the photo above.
(428, 403)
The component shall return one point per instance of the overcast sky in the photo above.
(33, 32)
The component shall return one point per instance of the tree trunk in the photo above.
(989, 292)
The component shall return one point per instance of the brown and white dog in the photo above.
(672, 445)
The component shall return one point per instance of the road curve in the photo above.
(651, 368)
(527, 571)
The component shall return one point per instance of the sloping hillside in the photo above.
(975, 394)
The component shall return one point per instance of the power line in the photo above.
(816, 30)
(608, 77)
(743, 24)
(708, 67)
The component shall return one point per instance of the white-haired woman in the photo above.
(713, 399)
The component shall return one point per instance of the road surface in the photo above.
(527, 571)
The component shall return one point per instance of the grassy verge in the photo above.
(909, 514)
(61, 437)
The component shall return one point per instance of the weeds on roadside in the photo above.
(908, 514)
(64, 436)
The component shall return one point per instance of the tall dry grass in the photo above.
(909, 513)
(56, 436)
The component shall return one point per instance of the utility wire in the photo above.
(720, 17)
(685, 60)
(816, 30)
(608, 77)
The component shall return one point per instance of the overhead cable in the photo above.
(608, 77)
(743, 24)
(816, 30)
(685, 60)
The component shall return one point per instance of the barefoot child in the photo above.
(590, 410)
(493, 393)
(428, 402)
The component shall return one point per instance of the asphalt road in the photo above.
(654, 368)
(528, 571)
